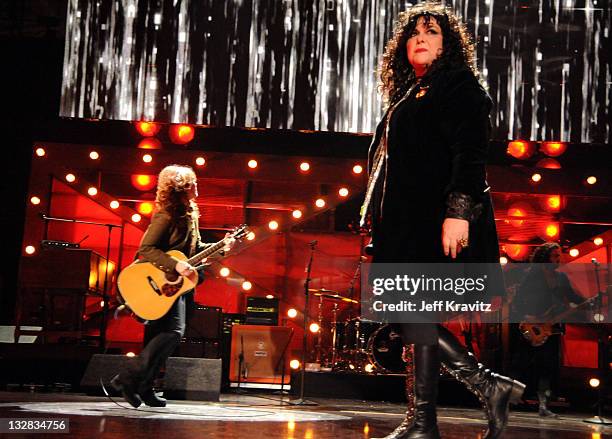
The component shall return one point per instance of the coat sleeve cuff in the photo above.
(462, 206)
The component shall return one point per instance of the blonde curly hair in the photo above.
(174, 184)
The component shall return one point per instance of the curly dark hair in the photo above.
(396, 73)
(541, 255)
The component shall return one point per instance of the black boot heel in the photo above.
(127, 390)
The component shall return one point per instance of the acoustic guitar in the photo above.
(150, 292)
(538, 333)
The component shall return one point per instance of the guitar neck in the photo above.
(195, 260)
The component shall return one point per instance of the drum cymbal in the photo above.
(333, 295)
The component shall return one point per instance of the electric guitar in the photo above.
(150, 292)
(538, 333)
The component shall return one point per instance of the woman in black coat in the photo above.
(428, 195)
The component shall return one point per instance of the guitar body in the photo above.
(537, 333)
(148, 292)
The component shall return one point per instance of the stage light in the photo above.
(297, 214)
(30, 249)
(553, 203)
(369, 368)
(294, 364)
(92, 191)
(250, 236)
(553, 149)
(352, 366)
(591, 179)
(143, 182)
(273, 225)
(357, 169)
(35, 200)
(200, 161)
(503, 260)
(102, 304)
(520, 149)
(320, 202)
(114, 204)
(147, 129)
(94, 155)
(517, 252)
(574, 252)
(130, 354)
(594, 382)
(343, 192)
(269, 296)
(147, 158)
(551, 231)
(145, 208)
(291, 313)
(246, 285)
(517, 211)
(149, 143)
(536, 178)
(70, 178)
(224, 272)
(304, 166)
(598, 241)
(181, 134)
(252, 164)
(40, 152)
(548, 163)
(314, 327)
(136, 218)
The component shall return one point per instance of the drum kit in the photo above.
(355, 344)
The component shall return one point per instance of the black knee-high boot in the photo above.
(495, 391)
(426, 375)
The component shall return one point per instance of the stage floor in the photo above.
(263, 416)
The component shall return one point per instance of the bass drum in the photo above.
(385, 350)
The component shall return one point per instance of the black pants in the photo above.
(162, 337)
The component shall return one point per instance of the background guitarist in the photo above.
(174, 226)
(543, 292)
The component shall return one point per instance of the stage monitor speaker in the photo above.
(198, 349)
(264, 351)
(204, 322)
(105, 367)
(193, 379)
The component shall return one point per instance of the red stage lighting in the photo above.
(551, 231)
(518, 252)
(553, 203)
(519, 149)
(553, 149)
(598, 241)
(548, 163)
(150, 143)
(517, 211)
(181, 134)
(145, 208)
(147, 129)
(143, 182)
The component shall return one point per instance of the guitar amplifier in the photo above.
(204, 323)
(262, 311)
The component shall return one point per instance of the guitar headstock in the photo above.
(240, 232)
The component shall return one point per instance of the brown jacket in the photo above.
(164, 234)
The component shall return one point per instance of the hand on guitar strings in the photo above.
(185, 269)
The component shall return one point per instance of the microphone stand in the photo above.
(602, 364)
(240, 363)
(301, 400)
(105, 288)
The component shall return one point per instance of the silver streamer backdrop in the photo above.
(311, 64)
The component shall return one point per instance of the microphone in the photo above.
(313, 242)
(595, 262)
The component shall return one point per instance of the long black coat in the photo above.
(437, 145)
